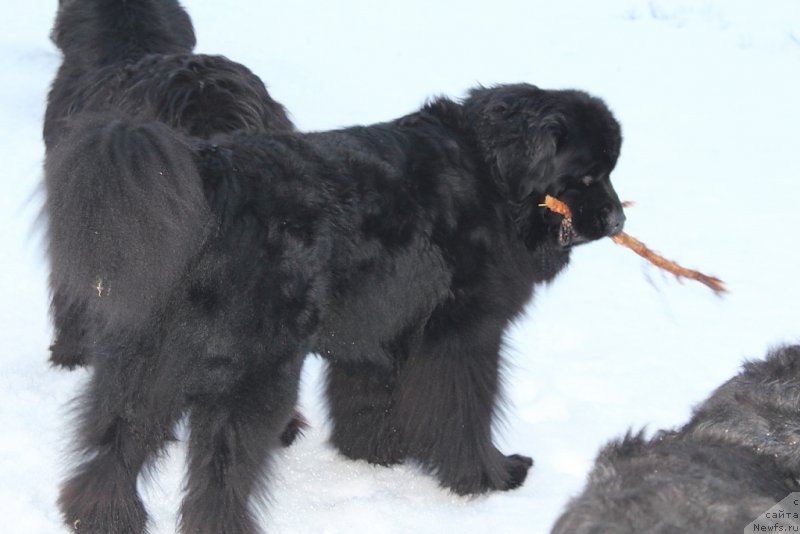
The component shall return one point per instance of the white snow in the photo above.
(707, 93)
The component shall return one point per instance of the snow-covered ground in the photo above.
(707, 93)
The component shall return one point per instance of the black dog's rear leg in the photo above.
(445, 404)
(360, 400)
(125, 421)
(232, 437)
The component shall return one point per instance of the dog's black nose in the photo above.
(614, 220)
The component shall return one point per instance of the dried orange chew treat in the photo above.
(642, 250)
(555, 205)
(716, 285)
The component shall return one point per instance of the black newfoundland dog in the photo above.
(134, 58)
(200, 249)
(737, 457)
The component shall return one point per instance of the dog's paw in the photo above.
(506, 473)
(121, 518)
(517, 467)
(100, 501)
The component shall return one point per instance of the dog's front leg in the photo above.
(445, 405)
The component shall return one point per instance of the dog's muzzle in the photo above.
(610, 223)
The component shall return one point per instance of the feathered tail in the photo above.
(125, 213)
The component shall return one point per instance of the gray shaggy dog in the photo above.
(736, 458)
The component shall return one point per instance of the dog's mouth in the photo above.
(567, 236)
(609, 221)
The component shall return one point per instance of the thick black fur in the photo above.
(200, 269)
(736, 458)
(134, 59)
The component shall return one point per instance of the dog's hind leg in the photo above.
(126, 419)
(232, 436)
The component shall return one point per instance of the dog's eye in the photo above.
(587, 180)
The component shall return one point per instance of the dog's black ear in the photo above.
(519, 128)
(547, 138)
(527, 165)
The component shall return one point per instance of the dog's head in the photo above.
(101, 35)
(559, 143)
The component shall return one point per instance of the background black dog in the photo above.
(204, 269)
(135, 58)
(736, 458)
